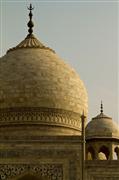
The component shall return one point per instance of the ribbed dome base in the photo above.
(39, 121)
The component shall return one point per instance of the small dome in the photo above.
(102, 126)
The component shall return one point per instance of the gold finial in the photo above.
(30, 23)
(101, 108)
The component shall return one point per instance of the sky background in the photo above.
(83, 33)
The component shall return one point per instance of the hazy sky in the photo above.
(83, 33)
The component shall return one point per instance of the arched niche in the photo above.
(115, 157)
(116, 151)
(32, 177)
(103, 153)
(90, 153)
(101, 156)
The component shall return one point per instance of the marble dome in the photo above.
(37, 77)
(34, 78)
(102, 126)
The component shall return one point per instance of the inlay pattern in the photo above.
(52, 171)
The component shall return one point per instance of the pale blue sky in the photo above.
(83, 33)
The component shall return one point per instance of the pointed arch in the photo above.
(103, 153)
(90, 153)
(116, 150)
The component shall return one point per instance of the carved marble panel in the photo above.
(52, 171)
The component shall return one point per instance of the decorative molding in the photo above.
(31, 115)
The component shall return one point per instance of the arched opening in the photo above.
(103, 153)
(116, 150)
(32, 177)
(102, 156)
(115, 156)
(90, 153)
(89, 156)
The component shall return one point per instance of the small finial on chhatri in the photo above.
(101, 108)
(30, 23)
(83, 115)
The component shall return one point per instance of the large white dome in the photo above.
(33, 76)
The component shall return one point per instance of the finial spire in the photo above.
(30, 23)
(101, 108)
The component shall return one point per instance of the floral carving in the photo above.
(40, 115)
(52, 171)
